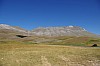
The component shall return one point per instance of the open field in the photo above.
(48, 55)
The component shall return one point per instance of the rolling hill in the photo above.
(69, 35)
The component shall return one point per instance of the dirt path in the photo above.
(45, 61)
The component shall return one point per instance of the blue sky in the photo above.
(30, 14)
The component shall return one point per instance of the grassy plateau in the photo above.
(49, 51)
(20, 54)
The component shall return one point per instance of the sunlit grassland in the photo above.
(30, 55)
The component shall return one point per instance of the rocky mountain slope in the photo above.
(47, 31)
(69, 35)
(62, 31)
(9, 32)
(11, 28)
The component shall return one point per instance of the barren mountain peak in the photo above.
(62, 31)
(51, 31)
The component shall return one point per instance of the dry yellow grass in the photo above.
(42, 55)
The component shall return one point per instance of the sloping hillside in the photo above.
(62, 31)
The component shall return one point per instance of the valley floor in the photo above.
(48, 55)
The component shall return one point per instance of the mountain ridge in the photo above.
(51, 31)
(62, 31)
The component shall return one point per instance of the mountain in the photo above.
(68, 35)
(62, 31)
(10, 32)
(11, 28)
(47, 31)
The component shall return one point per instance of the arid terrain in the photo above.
(48, 47)
(48, 55)
(49, 32)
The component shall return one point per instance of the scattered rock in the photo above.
(94, 45)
